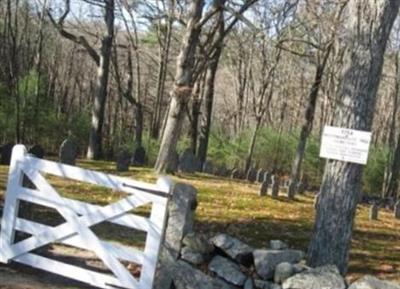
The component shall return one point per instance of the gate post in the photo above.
(181, 210)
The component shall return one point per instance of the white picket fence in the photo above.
(79, 218)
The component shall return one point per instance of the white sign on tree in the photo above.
(346, 145)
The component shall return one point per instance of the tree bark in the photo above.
(308, 124)
(182, 88)
(195, 114)
(95, 138)
(252, 144)
(368, 30)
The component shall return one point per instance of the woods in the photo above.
(243, 85)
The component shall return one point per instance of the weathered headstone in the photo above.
(397, 210)
(68, 152)
(6, 151)
(373, 212)
(139, 156)
(300, 188)
(267, 177)
(37, 151)
(263, 189)
(251, 175)
(123, 161)
(260, 175)
(235, 173)
(208, 167)
(188, 163)
(274, 186)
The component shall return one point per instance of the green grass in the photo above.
(235, 208)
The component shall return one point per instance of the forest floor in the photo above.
(229, 206)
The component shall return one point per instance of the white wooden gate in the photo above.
(79, 218)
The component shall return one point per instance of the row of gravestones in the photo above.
(68, 152)
(374, 211)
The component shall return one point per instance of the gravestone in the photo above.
(373, 212)
(260, 175)
(274, 186)
(251, 175)
(139, 156)
(263, 189)
(208, 167)
(397, 210)
(188, 163)
(300, 188)
(68, 152)
(235, 173)
(6, 151)
(123, 161)
(267, 177)
(37, 151)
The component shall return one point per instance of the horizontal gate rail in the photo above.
(79, 217)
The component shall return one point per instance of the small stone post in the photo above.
(373, 212)
(397, 210)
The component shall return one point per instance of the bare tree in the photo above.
(368, 28)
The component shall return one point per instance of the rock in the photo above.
(251, 175)
(68, 152)
(397, 210)
(249, 284)
(373, 212)
(234, 248)
(227, 270)
(187, 277)
(123, 161)
(298, 268)
(37, 151)
(198, 243)
(139, 156)
(263, 189)
(277, 245)
(188, 163)
(318, 278)
(192, 257)
(283, 271)
(261, 284)
(265, 261)
(370, 282)
(6, 152)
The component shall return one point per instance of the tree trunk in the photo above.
(95, 138)
(308, 124)
(366, 36)
(182, 88)
(389, 188)
(196, 105)
(252, 145)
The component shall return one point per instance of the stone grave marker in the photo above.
(68, 152)
(267, 177)
(235, 173)
(373, 212)
(123, 161)
(188, 163)
(208, 167)
(274, 186)
(6, 151)
(263, 189)
(37, 151)
(139, 156)
(260, 175)
(397, 210)
(251, 175)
